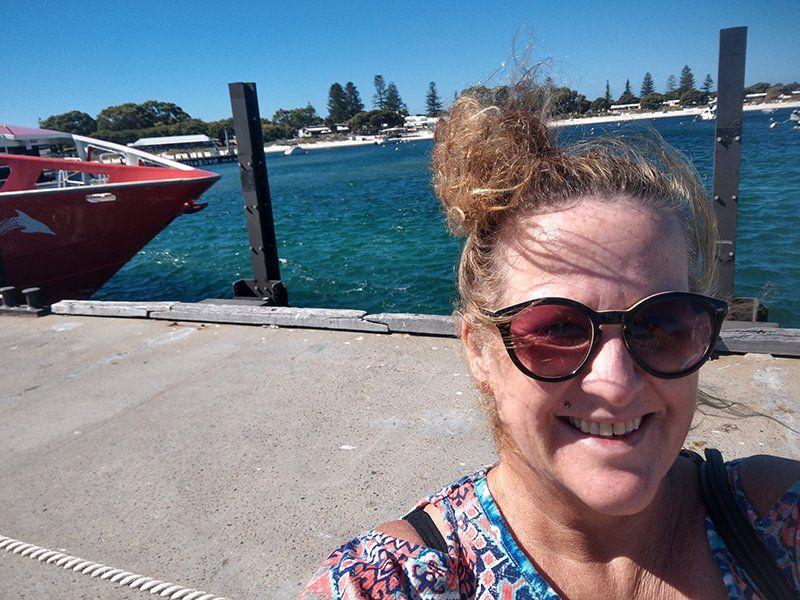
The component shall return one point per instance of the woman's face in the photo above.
(607, 255)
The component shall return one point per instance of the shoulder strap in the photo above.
(737, 532)
(427, 530)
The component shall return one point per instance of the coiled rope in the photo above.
(93, 569)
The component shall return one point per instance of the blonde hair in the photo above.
(495, 160)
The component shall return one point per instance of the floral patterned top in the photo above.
(483, 561)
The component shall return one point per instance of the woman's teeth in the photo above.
(605, 429)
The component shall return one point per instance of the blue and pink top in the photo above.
(484, 562)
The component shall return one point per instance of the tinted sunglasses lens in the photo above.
(671, 335)
(551, 340)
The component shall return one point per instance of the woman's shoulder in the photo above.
(391, 560)
(768, 484)
(376, 564)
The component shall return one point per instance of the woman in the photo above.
(585, 319)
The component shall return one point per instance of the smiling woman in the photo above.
(586, 313)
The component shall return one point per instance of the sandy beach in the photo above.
(609, 118)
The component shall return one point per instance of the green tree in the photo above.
(393, 100)
(599, 105)
(379, 98)
(582, 104)
(294, 119)
(272, 132)
(757, 88)
(652, 101)
(773, 92)
(375, 120)
(338, 111)
(672, 84)
(790, 87)
(217, 129)
(708, 83)
(627, 96)
(648, 87)
(608, 96)
(687, 80)
(692, 97)
(165, 113)
(354, 104)
(432, 102)
(73, 121)
(563, 101)
(122, 117)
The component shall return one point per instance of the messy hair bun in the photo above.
(492, 151)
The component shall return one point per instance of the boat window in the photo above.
(59, 178)
(5, 172)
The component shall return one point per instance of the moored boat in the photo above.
(74, 210)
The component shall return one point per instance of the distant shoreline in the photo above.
(617, 118)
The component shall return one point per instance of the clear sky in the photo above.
(66, 55)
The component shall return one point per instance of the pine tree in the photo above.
(337, 104)
(627, 96)
(672, 83)
(708, 83)
(432, 101)
(687, 80)
(379, 99)
(354, 104)
(608, 93)
(393, 101)
(647, 85)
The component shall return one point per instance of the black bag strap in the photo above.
(427, 530)
(737, 532)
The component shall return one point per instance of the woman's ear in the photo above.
(477, 351)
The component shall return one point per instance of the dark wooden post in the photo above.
(266, 282)
(728, 149)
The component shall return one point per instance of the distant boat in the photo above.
(773, 125)
(709, 113)
(291, 150)
(68, 223)
(795, 116)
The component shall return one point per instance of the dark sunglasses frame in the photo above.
(717, 309)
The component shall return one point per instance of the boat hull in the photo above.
(69, 242)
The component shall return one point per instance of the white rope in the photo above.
(93, 569)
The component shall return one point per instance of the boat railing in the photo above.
(131, 156)
(23, 173)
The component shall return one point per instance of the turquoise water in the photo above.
(360, 227)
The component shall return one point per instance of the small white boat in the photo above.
(773, 125)
(709, 113)
(795, 116)
(293, 150)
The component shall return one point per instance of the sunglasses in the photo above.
(669, 334)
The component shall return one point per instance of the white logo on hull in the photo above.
(25, 224)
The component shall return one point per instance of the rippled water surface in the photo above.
(361, 228)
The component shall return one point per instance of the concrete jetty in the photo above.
(233, 458)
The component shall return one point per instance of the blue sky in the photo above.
(86, 55)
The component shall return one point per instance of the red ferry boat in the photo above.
(68, 224)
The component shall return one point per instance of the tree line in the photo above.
(125, 123)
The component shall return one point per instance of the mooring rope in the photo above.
(93, 569)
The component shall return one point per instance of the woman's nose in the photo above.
(612, 373)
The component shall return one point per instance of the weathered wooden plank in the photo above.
(316, 318)
(767, 340)
(439, 325)
(96, 308)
